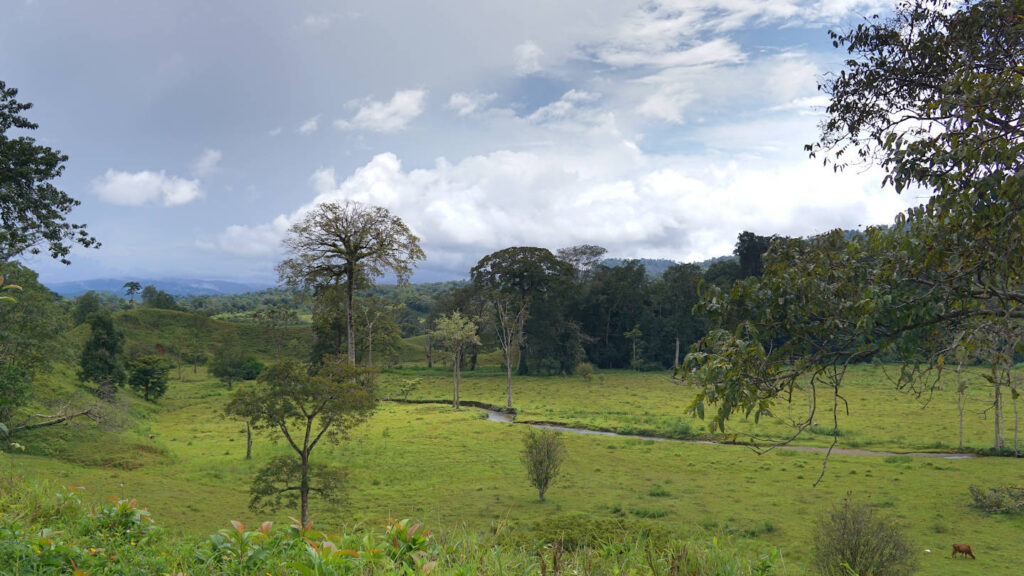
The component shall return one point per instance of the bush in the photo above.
(998, 500)
(250, 369)
(852, 536)
(585, 370)
(543, 455)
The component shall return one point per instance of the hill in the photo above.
(174, 287)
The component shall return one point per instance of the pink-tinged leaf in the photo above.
(238, 525)
(265, 527)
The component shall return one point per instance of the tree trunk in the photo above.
(457, 357)
(998, 406)
(961, 402)
(508, 383)
(350, 280)
(248, 441)
(1016, 451)
(676, 362)
(179, 365)
(304, 489)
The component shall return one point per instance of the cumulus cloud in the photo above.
(207, 163)
(146, 187)
(391, 116)
(526, 58)
(466, 103)
(310, 126)
(634, 205)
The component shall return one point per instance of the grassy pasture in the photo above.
(880, 418)
(451, 468)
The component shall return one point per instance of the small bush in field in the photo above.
(586, 371)
(998, 500)
(852, 536)
(543, 455)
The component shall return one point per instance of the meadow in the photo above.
(456, 471)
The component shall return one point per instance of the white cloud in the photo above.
(391, 116)
(146, 187)
(274, 132)
(526, 58)
(310, 126)
(564, 106)
(207, 163)
(634, 205)
(465, 103)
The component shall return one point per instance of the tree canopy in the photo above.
(352, 243)
(33, 211)
(934, 95)
(306, 406)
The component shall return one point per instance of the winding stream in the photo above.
(504, 417)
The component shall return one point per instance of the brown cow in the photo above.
(964, 549)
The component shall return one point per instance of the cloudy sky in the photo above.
(199, 131)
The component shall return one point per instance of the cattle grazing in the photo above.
(964, 549)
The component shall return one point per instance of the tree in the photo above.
(543, 455)
(537, 277)
(933, 96)
(84, 306)
(30, 338)
(154, 298)
(228, 361)
(305, 405)
(32, 210)
(148, 376)
(583, 258)
(131, 289)
(749, 249)
(456, 333)
(509, 327)
(101, 361)
(351, 243)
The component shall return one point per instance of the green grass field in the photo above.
(454, 468)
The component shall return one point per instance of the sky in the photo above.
(198, 132)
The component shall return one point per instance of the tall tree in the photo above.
(750, 248)
(509, 327)
(131, 289)
(351, 243)
(456, 333)
(32, 210)
(305, 406)
(583, 258)
(102, 362)
(535, 276)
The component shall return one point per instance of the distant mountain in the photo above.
(174, 287)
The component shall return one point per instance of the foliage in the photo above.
(543, 454)
(278, 483)
(583, 258)
(306, 405)
(853, 536)
(351, 243)
(228, 361)
(31, 331)
(101, 361)
(152, 297)
(32, 210)
(148, 376)
(998, 499)
(456, 333)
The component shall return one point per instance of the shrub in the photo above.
(851, 536)
(543, 455)
(585, 370)
(998, 500)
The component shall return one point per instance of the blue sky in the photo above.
(199, 131)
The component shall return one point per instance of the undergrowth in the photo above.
(48, 530)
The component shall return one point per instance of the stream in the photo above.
(504, 417)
